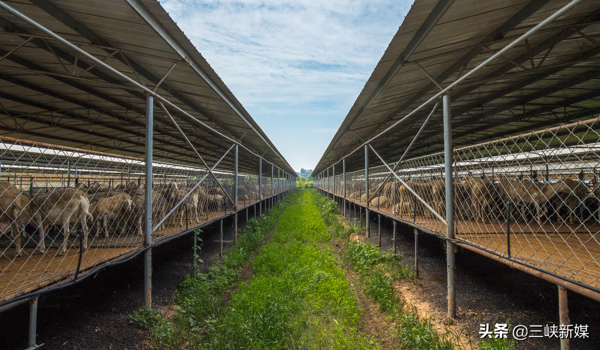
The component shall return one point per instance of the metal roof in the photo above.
(546, 80)
(51, 93)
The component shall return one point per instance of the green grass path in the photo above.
(297, 297)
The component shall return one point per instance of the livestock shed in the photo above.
(116, 136)
(479, 125)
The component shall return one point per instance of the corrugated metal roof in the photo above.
(49, 93)
(509, 96)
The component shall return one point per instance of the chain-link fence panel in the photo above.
(534, 198)
(65, 211)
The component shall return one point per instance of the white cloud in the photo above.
(296, 66)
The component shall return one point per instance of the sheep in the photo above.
(407, 200)
(133, 222)
(15, 213)
(130, 188)
(170, 197)
(526, 192)
(597, 195)
(380, 202)
(63, 207)
(482, 196)
(190, 202)
(571, 193)
(110, 209)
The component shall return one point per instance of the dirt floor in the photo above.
(94, 314)
(486, 290)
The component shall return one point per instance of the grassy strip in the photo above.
(378, 271)
(298, 297)
(199, 300)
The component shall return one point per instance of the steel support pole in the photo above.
(68, 173)
(33, 313)
(327, 184)
(272, 192)
(260, 186)
(379, 229)
(394, 235)
(221, 239)
(367, 190)
(333, 178)
(449, 207)
(563, 311)
(416, 252)
(344, 180)
(235, 195)
(148, 204)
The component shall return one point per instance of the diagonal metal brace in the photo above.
(16, 48)
(405, 152)
(410, 189)
(198, 154)
(192, 190)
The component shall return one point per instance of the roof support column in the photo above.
(344, 182)
(333, 181)
(260, 194)
(235, 195)
(449, 207)
(367, 190)
(148, 204)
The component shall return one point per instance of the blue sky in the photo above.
(297, 66)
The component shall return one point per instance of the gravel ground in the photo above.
(94, 314)
(489, 290)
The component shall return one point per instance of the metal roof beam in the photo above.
(70, 22)
(519, 117)
(549, 43)
(48, 108)
(546, 45)
(143, 12)
(90, 106)
(543, 93)
(462, 62)
(432, 20)
(84, 53)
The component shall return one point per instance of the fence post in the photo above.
(272, 186)
(68, 173)
(394, 235)
(379, 230)
(148, 203)
(367, 189)
(333, 178)
(221, 239)
(33, 313)
(235, 195)
(344, 180)
(327, 186)
(416, 252)
(449, 207)
(563, 311)
(260, 186)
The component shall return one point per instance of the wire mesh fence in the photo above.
(534, 198)
(64, 210)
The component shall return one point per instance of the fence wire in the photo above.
(533, 198)
(64, 211)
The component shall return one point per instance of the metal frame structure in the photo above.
(51, 55)
(514, 71)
